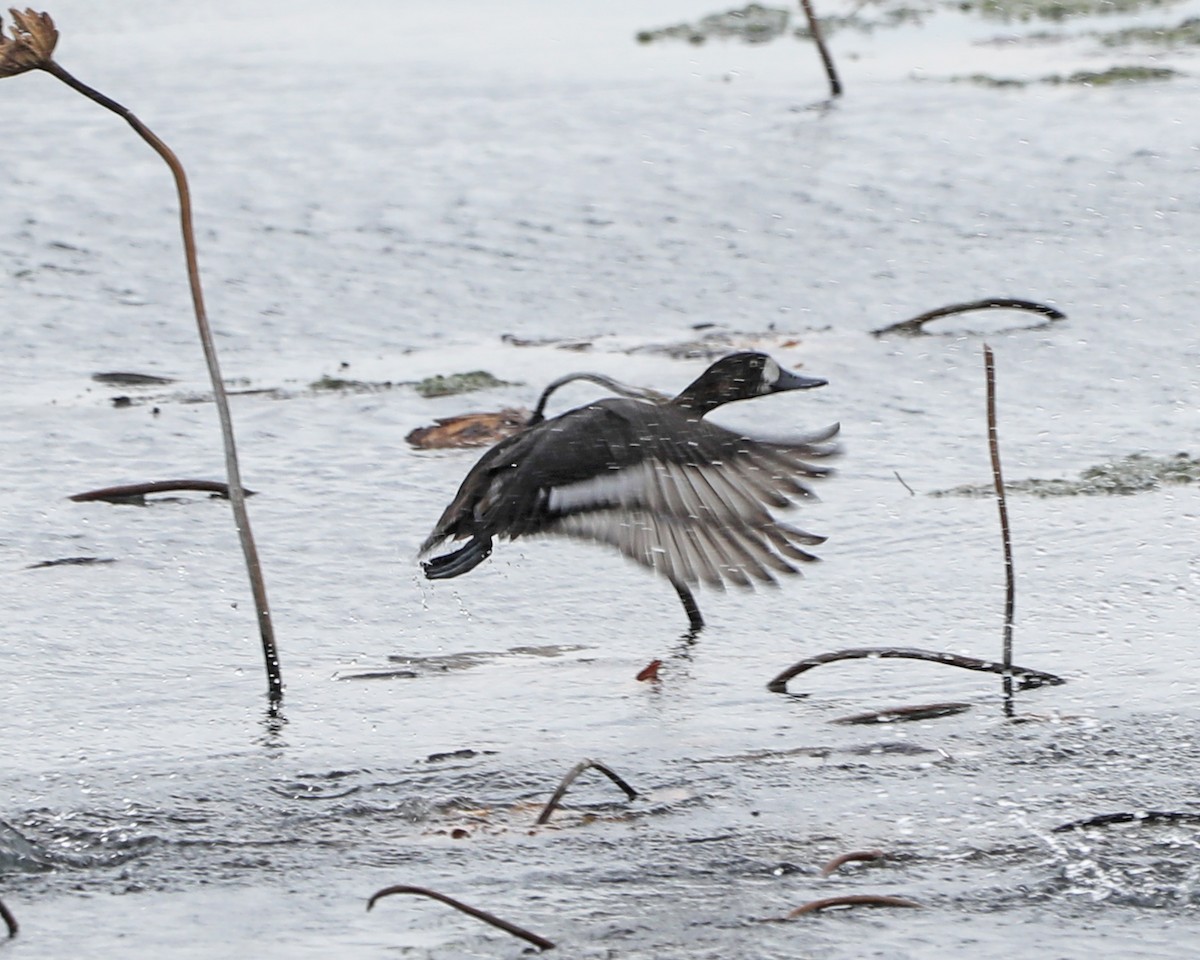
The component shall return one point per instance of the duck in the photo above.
(675, 493)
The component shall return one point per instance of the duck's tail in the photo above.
(460, 561)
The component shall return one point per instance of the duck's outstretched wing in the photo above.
(675, 493)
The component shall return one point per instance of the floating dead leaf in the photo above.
(469, 430)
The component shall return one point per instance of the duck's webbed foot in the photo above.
(462, 560)
(695, 621)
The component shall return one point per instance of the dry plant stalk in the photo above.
(989, 365)
(853, 857)
(540, 942)
(31, 47)
(814, 28)
(915, 326)
(569, 779)
(9, 920)
(1029, 677)
(853, 900)
(137, 492)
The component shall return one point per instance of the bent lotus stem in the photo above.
(139, 491)
(853, 900)
(1028, 677)
(915, 326)
(538, 941)
(852, 857)
(569, 779)
(31, 48)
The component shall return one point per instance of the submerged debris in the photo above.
(924, 711)
(1141, 816)
(70, 562)
(1135, 473)
(136, 492)
(131, 379)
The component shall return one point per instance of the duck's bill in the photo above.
(794, 381)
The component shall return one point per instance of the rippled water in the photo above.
(381, 198)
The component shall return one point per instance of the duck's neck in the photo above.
(701, 396)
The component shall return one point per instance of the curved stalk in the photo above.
(236, 497)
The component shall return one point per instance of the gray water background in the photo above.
(395, 188)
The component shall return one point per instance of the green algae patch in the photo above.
(456, 383)
(756, 23)
(1136, 473)
(1056, 10)
(1083, 78)
(753, 23)
(340, 385)
(1126, 74)
(996, 83)
(1184, 34)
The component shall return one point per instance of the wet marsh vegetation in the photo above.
(532, 203)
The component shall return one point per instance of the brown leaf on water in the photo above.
(650, 671)
(469, 430)
(31, 45)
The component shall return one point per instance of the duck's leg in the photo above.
(461, 561)
(695, 621)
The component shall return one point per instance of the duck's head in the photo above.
(741, 376)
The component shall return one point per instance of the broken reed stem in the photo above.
(1009, 581)
(569, 779)
(233, 474)
(540, 942)
(9, 920)
(814, 27)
